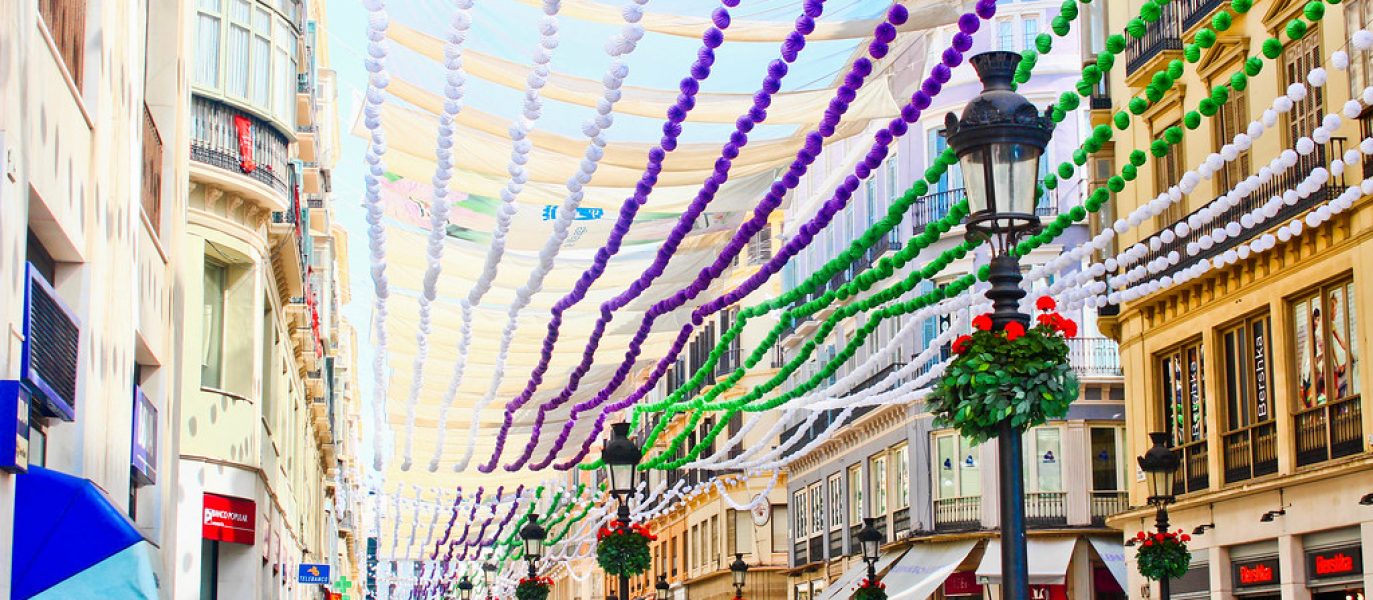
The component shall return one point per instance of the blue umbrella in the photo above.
(70, 541)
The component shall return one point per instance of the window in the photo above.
(212, 340)
(1298, 58)
(1358, 14)
(870, 187)
(798, 512)
(953, 177)
(1167, 171)
(1184, 400)
(1044, 449)
(1005, 35)
(836, 486)
(1245, 375)
(1327, 353)
(1030, 27)
(246, 52)
(817, 508)
(714, 549)
(855, 495)
(893, 180)
(877, 468)
(1233, 119)
(741, 537)
(958, 471)
(901, 466)
(760, 246)
(779, 528)
(1108, 472)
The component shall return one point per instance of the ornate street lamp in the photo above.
(661, 589)
(533, 535)
(739, 569)
(870, 540)
(999, 141)
(465, 588)
(621, 456)
(488, 576)
(1160, 466)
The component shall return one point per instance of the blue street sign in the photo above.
(314, 574)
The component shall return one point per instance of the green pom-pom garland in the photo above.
(1239, 81)
(1135, 28)
(1221, 21)
(1192, 119)
(1158, 148)
(1205, 37)
(1173, 135)
(1129, 172)
(1192, 53)
(1241, 6)
(1314, 10)
(1137, 157)
(1115, 43)
(1044, 43)
(1207, 107)
(1272, 48)
(1138, 105)
(1105, 61)
(1122, 120)
(1149, 12)
(1296, 29)
(1253, 66)
(1060, 26)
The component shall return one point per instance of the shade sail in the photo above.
(924, 569)
(1111, 552)
(855, 574)
(67, 534)
(1048, 560)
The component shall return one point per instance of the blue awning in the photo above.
(68, 537)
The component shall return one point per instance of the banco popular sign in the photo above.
(228, 519)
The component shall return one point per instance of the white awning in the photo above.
(1048, 561)
(852, 577)
(1112, 552)
(924, 569)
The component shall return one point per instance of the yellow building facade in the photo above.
(1254, 369)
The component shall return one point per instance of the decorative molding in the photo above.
(212, 197)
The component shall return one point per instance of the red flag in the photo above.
(244, 127)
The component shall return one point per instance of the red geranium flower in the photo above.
(1014, 330)
(961, 344)
(1046, 319)
(1045, 303)
(1069, 328)
(983, 322)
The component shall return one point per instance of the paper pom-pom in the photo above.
(1282, 104)
(1136, 28)
(1239, 81)
(1272, 48)
(1115, 43)
(1158, 148)
(1296, 29)
(1205, 37)
(1314, 10)
(1138, 105)
(1121, 120)
(1149, 11)
(1221, 21)
(1207, 107)
(1192, 53)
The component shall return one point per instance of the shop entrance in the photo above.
(1349, 594)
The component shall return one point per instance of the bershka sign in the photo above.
(1336, 562)
(228, 519)
(1257, 573)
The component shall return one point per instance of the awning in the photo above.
(71, 542)
(852, 577)
(924, 569)
(1112, 552)
(1048, 560)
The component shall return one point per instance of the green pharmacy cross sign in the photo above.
(342, 585)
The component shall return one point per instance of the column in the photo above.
(1293, 568)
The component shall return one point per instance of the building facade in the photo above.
(90, 232)
(1253, 369)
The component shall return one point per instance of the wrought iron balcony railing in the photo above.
(1106, 503)
(1097, 356)
(1194, 473)
(1250, 452)
(958, 514)
(1160, 36)
(1329, 431)
(218, 128)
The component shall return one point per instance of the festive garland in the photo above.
(1014, 373)
(1162, 555)
(622, 548)
(533, 588)
(870, 590)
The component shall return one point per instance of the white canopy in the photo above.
(855, 574)
(1048, 560)
(924, 569)
(1111, 552)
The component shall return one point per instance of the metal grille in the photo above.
(52, 338)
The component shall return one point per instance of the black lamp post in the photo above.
(870, 540)
(1160, 468)
(739, 569)
(533, 535)
(465, 588)
(661, 589)
(621, 456)
(999, 142)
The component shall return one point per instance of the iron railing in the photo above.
(152, 171)
(958, 514)
(1250, 452)
(1196, 11)
(1194, 472)
(1329, 431)
(1106, 503)
(1094, 356)
(1162, 35)
(1275, 187)
(1046, 509)
(901, 520)
(215, 141)
(836, 539)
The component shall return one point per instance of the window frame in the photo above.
(277, 45)
(1345, 286)
(215, 323)
(1259, 409)
(901, 479)
(956, 465)
(854, 475)
(835, 485)
(1193, 389)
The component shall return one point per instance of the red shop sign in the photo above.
(1335, 562)
(228, 519)
(1256, 573)
(962, 583)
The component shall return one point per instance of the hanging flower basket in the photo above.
(1163, 554)
(1016, 373)
(870, 590)
(533, 588)
(622, 548)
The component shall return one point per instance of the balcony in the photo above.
(152, 171)
(933, 207)
(1196, 11)
(220, 133)
(901, 520)
(836, 539)
(1105, 504)
(1194, 472)
(958, 514)
(1329, 431)
(1094, 356)
(1275, 187)
(1250, 452)
(799, 548)
(1046, 509)
(1101, 93)
(66, 22)
(1161, 36)
(817, 548)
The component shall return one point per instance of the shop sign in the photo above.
(313, 574)
(962, 583)
(1336, 562)
(228, 519)
(14, 427)
(1257, 573)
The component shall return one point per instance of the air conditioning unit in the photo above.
(47, 359)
